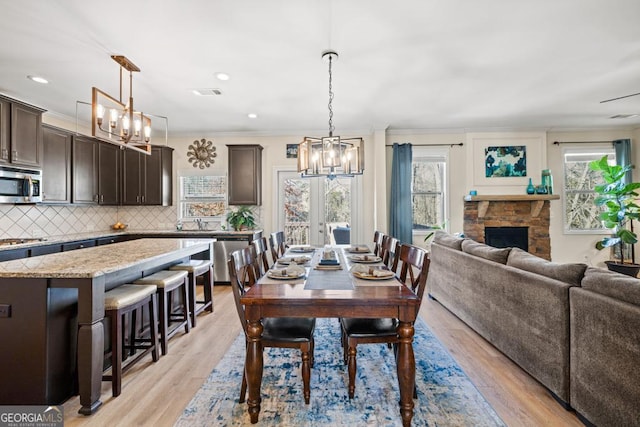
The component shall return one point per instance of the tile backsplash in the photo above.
(50, 220)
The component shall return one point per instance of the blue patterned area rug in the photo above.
(446, 396)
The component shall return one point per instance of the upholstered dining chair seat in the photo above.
(291, 329)
(362, 328)
(126, 295)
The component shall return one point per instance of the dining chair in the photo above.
(282, 332)
(413, 273)
(342, 235)
(377, 241)
(263, 264)
(388, 251)
(278, 247)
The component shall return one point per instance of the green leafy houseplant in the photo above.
(617, 199)
(240, 218)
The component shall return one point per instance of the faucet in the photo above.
(201, 225)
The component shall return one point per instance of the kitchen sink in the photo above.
(18, 241)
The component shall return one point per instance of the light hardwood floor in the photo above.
(155, 394)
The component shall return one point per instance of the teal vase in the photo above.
(530, 188)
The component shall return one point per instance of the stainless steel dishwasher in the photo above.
(222, 248)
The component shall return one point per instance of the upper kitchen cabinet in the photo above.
(159, 178)
(148, 178)
(108, 174)
(245, 174)
(85, 170)
(56, 165)
(20, 133)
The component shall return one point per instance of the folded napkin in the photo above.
(372, 258)
(358, 249)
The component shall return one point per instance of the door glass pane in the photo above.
(297, 193)
(337, 196)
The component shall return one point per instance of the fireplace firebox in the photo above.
(506, 237)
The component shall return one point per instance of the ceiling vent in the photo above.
(207, 92)
(624, 116)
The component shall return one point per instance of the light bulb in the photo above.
(147, 133)
(137, 125)
(125, 125)
(99, 113)
(113, 117)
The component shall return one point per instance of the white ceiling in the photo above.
(404, 65)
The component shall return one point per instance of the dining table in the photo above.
(338, 282)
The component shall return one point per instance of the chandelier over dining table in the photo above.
(117, 121)
(331, 156)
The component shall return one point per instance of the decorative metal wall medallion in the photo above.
(201, 153)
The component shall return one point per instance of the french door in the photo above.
(309, 208)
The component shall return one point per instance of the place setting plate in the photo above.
(358, 250)
(286, 273)
(302, 249)
(300, 260)
(372, 273)
(365, 259)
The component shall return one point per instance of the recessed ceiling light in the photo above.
(222, 76)
(38, 79)
(252, 115)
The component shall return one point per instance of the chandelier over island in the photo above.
(331, 156)
(122, 123)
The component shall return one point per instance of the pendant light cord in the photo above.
(331, 127)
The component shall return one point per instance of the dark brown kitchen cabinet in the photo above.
(245, 174)
(84, 170)
(134, 175)
(147, 179)
(159, 179)
(56, 165)
(108, 174)
(20, 133)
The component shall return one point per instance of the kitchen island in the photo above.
(52, 312)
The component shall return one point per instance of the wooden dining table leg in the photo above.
(406, 367)
(253, 367)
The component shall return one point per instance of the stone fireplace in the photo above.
(530, 213)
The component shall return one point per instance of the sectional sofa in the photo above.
(576, 329)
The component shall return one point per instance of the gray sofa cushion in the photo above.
(612, 284)
(485, 251)
(567, 273)
(446, 239)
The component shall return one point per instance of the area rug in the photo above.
(446, 396)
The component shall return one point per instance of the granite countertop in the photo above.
(97, 260)
(100, 234)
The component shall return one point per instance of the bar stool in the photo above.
(118, 302)
(167, 282)
(196, 268)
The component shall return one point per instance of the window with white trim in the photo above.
(203, 197)
(580, 212)
(428, 188)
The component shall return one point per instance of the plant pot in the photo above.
(627, 269)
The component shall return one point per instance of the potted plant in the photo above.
(241, 218)
(617, 199)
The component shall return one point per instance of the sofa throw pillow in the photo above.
(612, 284)
(485, 251)
(567, 273)
(445, 239)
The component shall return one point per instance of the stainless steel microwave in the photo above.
(18, 185)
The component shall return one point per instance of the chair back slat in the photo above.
(241, 275)
(388, 251)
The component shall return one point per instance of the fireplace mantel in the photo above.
(537, 201)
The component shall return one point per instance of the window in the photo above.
(428, 188)
(203, 197)
(580, 213)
